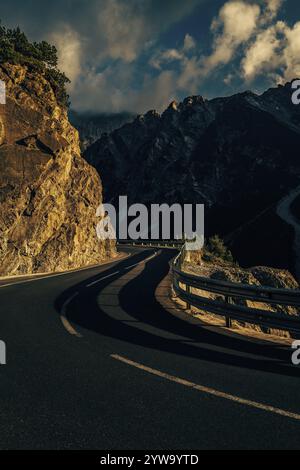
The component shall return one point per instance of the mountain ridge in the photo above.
(238, 155)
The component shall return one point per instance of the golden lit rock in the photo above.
(48, 193)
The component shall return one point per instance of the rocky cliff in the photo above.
(215, 268)
(48, 193)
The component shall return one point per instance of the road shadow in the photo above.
(137, 299)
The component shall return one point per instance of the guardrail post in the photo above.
(228, 300)
(188, 291)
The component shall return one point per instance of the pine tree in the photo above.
(41, 56)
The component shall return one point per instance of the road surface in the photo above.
(94, 361)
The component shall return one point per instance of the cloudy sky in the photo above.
(137, 55)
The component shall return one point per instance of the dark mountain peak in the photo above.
(246, 94)
(193, 101)
(281, 90)
(151, 116)
(199, 150)
(173, 105)
(189, 102)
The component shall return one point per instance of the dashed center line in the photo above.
(133, 265)
(102, 279)
(143, 261)
(208, 390)
(64, 319)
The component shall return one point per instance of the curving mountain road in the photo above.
(285, 213)
(95, 360)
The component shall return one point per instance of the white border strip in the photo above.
(207, 390)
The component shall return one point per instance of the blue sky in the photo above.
(141, 54)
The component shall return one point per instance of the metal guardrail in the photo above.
(230, 291)
(153, 243)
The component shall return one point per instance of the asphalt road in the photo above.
(94, 361)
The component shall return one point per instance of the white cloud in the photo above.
(167, 56)
(269, 48)
(188, 72)
(69, 47)
(162, 58)
(156, 92)
(272, 9)
(228, 79)
(189, 43)
(189, 76)
(264, 54)
(120, 31)
(274, 53)
(291, 52)
(113, 90)
(239, 26)
(124, 30)
(234, 26)
(100, 43)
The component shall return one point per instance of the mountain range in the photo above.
(238, 155)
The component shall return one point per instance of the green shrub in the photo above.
(15, 48)
(216, 247)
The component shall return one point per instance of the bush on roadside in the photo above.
(215, 248)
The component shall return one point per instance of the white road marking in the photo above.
(37, 279)
(64, 319)
(133, 265)
(69, 327)
(48, 276)
(102, 279)
(152, 256)
(143, 261)
(208, 390)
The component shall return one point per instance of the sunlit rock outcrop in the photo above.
(48, 193)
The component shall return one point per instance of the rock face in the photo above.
(48, 193)
(257, 276)
(200, 150)
(238, 155)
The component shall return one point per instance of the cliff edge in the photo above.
(48, 193)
